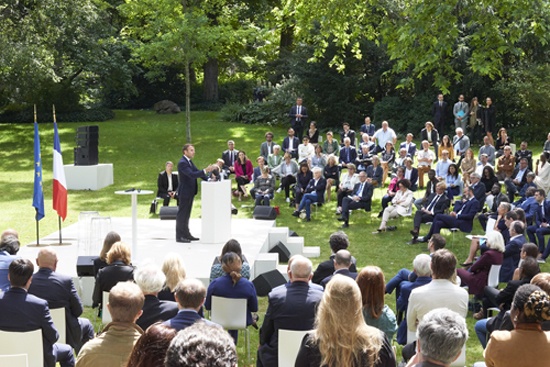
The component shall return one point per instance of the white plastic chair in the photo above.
(29, 343)
(17, 360)
(59, 321)
(494, 275)
(289, 345)
(230, 313)
(105, 314)
(490, 226)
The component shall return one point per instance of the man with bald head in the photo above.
(10, 232)
(290, 308)
(60, 292)
(342, 262)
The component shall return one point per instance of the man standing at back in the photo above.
(187, 189)
(460, 111)
(298, 114)
(60, 292)
(439, 109)
(291, 307)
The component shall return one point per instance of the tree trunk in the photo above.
(210, 83)
(287, 37)
(187, 100)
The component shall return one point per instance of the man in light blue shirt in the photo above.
(442, 166)
(384, 135)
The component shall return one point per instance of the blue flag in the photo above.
(38, 195)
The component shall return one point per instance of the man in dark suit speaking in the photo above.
(298, 114)
(167, 184)
(187, 189)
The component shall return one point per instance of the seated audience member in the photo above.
(231, 285)
(531, 176)
(382, 136)
(290, 307)
(453, 180)
(488, 150)
(257, 172)
(366, 142)
(489, 180)
(201, 345)
(411, 173)
(60, 292)
(217, 172)
(387, 158)
(404, 283)
(341, 335)
(150, 349)
(364, 159)
(359, 198)
(9, 247)
(264, 187)
(468, 166)
(376, 314)
(518, 179)
(267, 147)
(430, 134)
(479, 189)
(312, 133)
(546, 146)
(348, 153)
(287, 170)
(401, 205)
(375, 172)
(318, 159)
(369, 128)
(542, 181)
(530, 308)
(440, 292)
(118, 270)
(274, 159)
(523, 152)
(174, 270)
(291, 143)
(114, 345)
(540, 228)
(190, 296)
(503, 140)
(399, 161)
(529, 205)
(528, 249)
(440, 338)
(477, 275)
(512, 251)
(447, 145)
(409, 146)
(9, 232)
(305, 150)
(304, 176)
(150, 280)
(23, 312)
(483, 163)
(332, 174)
(314, 193)
(331, 146)
(437, 203)
(167, 184)
(498, 210)
(430, 189)
(348, 181)
(342, 262)
(506, 164)
(392, 190)
(442, 166)
(337, 241)
(243, 174)
(346, 133)
(230, 246)
(461, 143)
(230, 157)
(425, 160)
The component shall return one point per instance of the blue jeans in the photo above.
(481, 331)
(307, 199)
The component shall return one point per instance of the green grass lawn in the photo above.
(138, 143)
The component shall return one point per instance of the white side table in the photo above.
(134, 194)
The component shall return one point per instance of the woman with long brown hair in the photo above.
(341, 336)
(150, 349)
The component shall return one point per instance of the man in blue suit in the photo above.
(342, 262)
(187, 189)
(23, 312)
(368, 128)
(298, 115)
(290, 144)
(530, 205)
(60, 292)
(315, 193)
(409, 146)
(462, 217)
(290, 307)
(360, 198)
(542, 220)
(190, 295)
(479, 188)
(512, 251)
(348, 153)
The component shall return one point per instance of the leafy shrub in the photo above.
(404, 116)
(27, 116)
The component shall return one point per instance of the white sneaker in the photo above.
(288, 200)
(279, 190)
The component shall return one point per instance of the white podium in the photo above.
(216, 211)
(88, 177)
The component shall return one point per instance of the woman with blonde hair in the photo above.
(174, 270)
(468, 166)
(110, 239)
(332, 174)
(341, 336)
(372, 284)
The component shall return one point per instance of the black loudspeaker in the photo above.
(292, 233)
(263, 212)
(85, 266)
(265, 282)
(87, 141)
(86, 156)
(168, 212)
(283, 252)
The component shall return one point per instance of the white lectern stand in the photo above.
(216, 211)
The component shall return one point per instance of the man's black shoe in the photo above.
(296, 213)
(183, 240)
(192, 238)
(341, 219)
(308, 219)
(345, 225)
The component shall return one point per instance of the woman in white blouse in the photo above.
(305, 150)
(543, 172)
(401, 205)
(347, 183)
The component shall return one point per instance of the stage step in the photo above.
(282, 270)
(265, 262)
(311, 251)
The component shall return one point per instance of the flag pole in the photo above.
(36, 216)
(58, 216)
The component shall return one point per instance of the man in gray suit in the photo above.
(461, 118)
(267, 146)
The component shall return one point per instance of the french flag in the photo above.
(59, 183)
